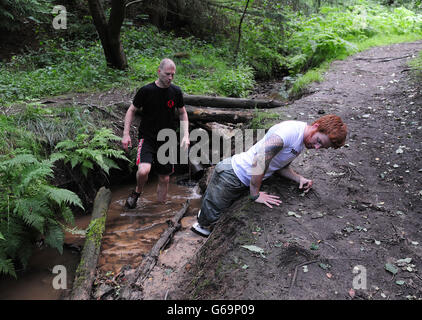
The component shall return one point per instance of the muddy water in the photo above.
(129, 235)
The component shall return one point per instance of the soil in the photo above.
(343, 239)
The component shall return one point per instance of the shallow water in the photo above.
(131, 233)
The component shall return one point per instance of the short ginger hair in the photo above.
(334, 128)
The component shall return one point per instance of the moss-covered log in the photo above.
(85, 273)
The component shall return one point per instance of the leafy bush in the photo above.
(13, 14)
(87, 151)
(238, 82)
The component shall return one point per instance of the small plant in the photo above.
(263, 120)
(87, 151)
(237, 82)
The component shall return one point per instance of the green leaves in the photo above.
(238, 82)
(86, 151)
(30, 206)
(61, 196)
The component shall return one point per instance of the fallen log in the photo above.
(220, 129)
(85, 273)
(133, 288)
(217, 115)
(226, 102)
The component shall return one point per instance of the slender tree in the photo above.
(240, 27)
(109, 31)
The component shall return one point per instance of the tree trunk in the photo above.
(240, 28)
(85, 274)
(109, 32)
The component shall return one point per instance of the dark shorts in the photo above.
(147, 153)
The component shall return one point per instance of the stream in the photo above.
(129, 235)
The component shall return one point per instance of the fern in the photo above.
(61, 196)
(54, 236)
(32, 208)
(87, 152)
(6, 266)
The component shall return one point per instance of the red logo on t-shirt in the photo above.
(170, 104)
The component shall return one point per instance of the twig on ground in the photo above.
(295, 274)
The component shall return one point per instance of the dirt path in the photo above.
(362, 216)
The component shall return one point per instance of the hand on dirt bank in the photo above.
(268, 199)
(126, 142)
(305, 184)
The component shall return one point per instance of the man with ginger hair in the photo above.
(247, 170)
(160, 102)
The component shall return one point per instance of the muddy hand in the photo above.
(305, 184)
(268, 199)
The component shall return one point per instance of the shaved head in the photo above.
(166, 62)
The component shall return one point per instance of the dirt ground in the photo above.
(356, 235)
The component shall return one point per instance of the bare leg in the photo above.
(162, 187)
(142, 175)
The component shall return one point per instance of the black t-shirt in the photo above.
(158, 108)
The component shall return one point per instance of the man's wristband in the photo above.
(253, 198)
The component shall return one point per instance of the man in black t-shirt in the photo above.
(158, 102)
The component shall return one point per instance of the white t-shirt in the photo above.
(292, 134)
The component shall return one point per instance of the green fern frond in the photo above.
(32, 212)
(68, 215)
(54, 237)
(74, 161)
(35, 174)
(88, 164)
(62, 196)
(118, 154)
(66, 145)
(7, 267)
(111, 164)
(20, 159)
(87, 152)
(57, 156)
(25, 252)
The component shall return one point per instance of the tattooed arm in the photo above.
(272, 145)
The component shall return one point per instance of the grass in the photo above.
(264, 120)
(316, 75)
(416, 65)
